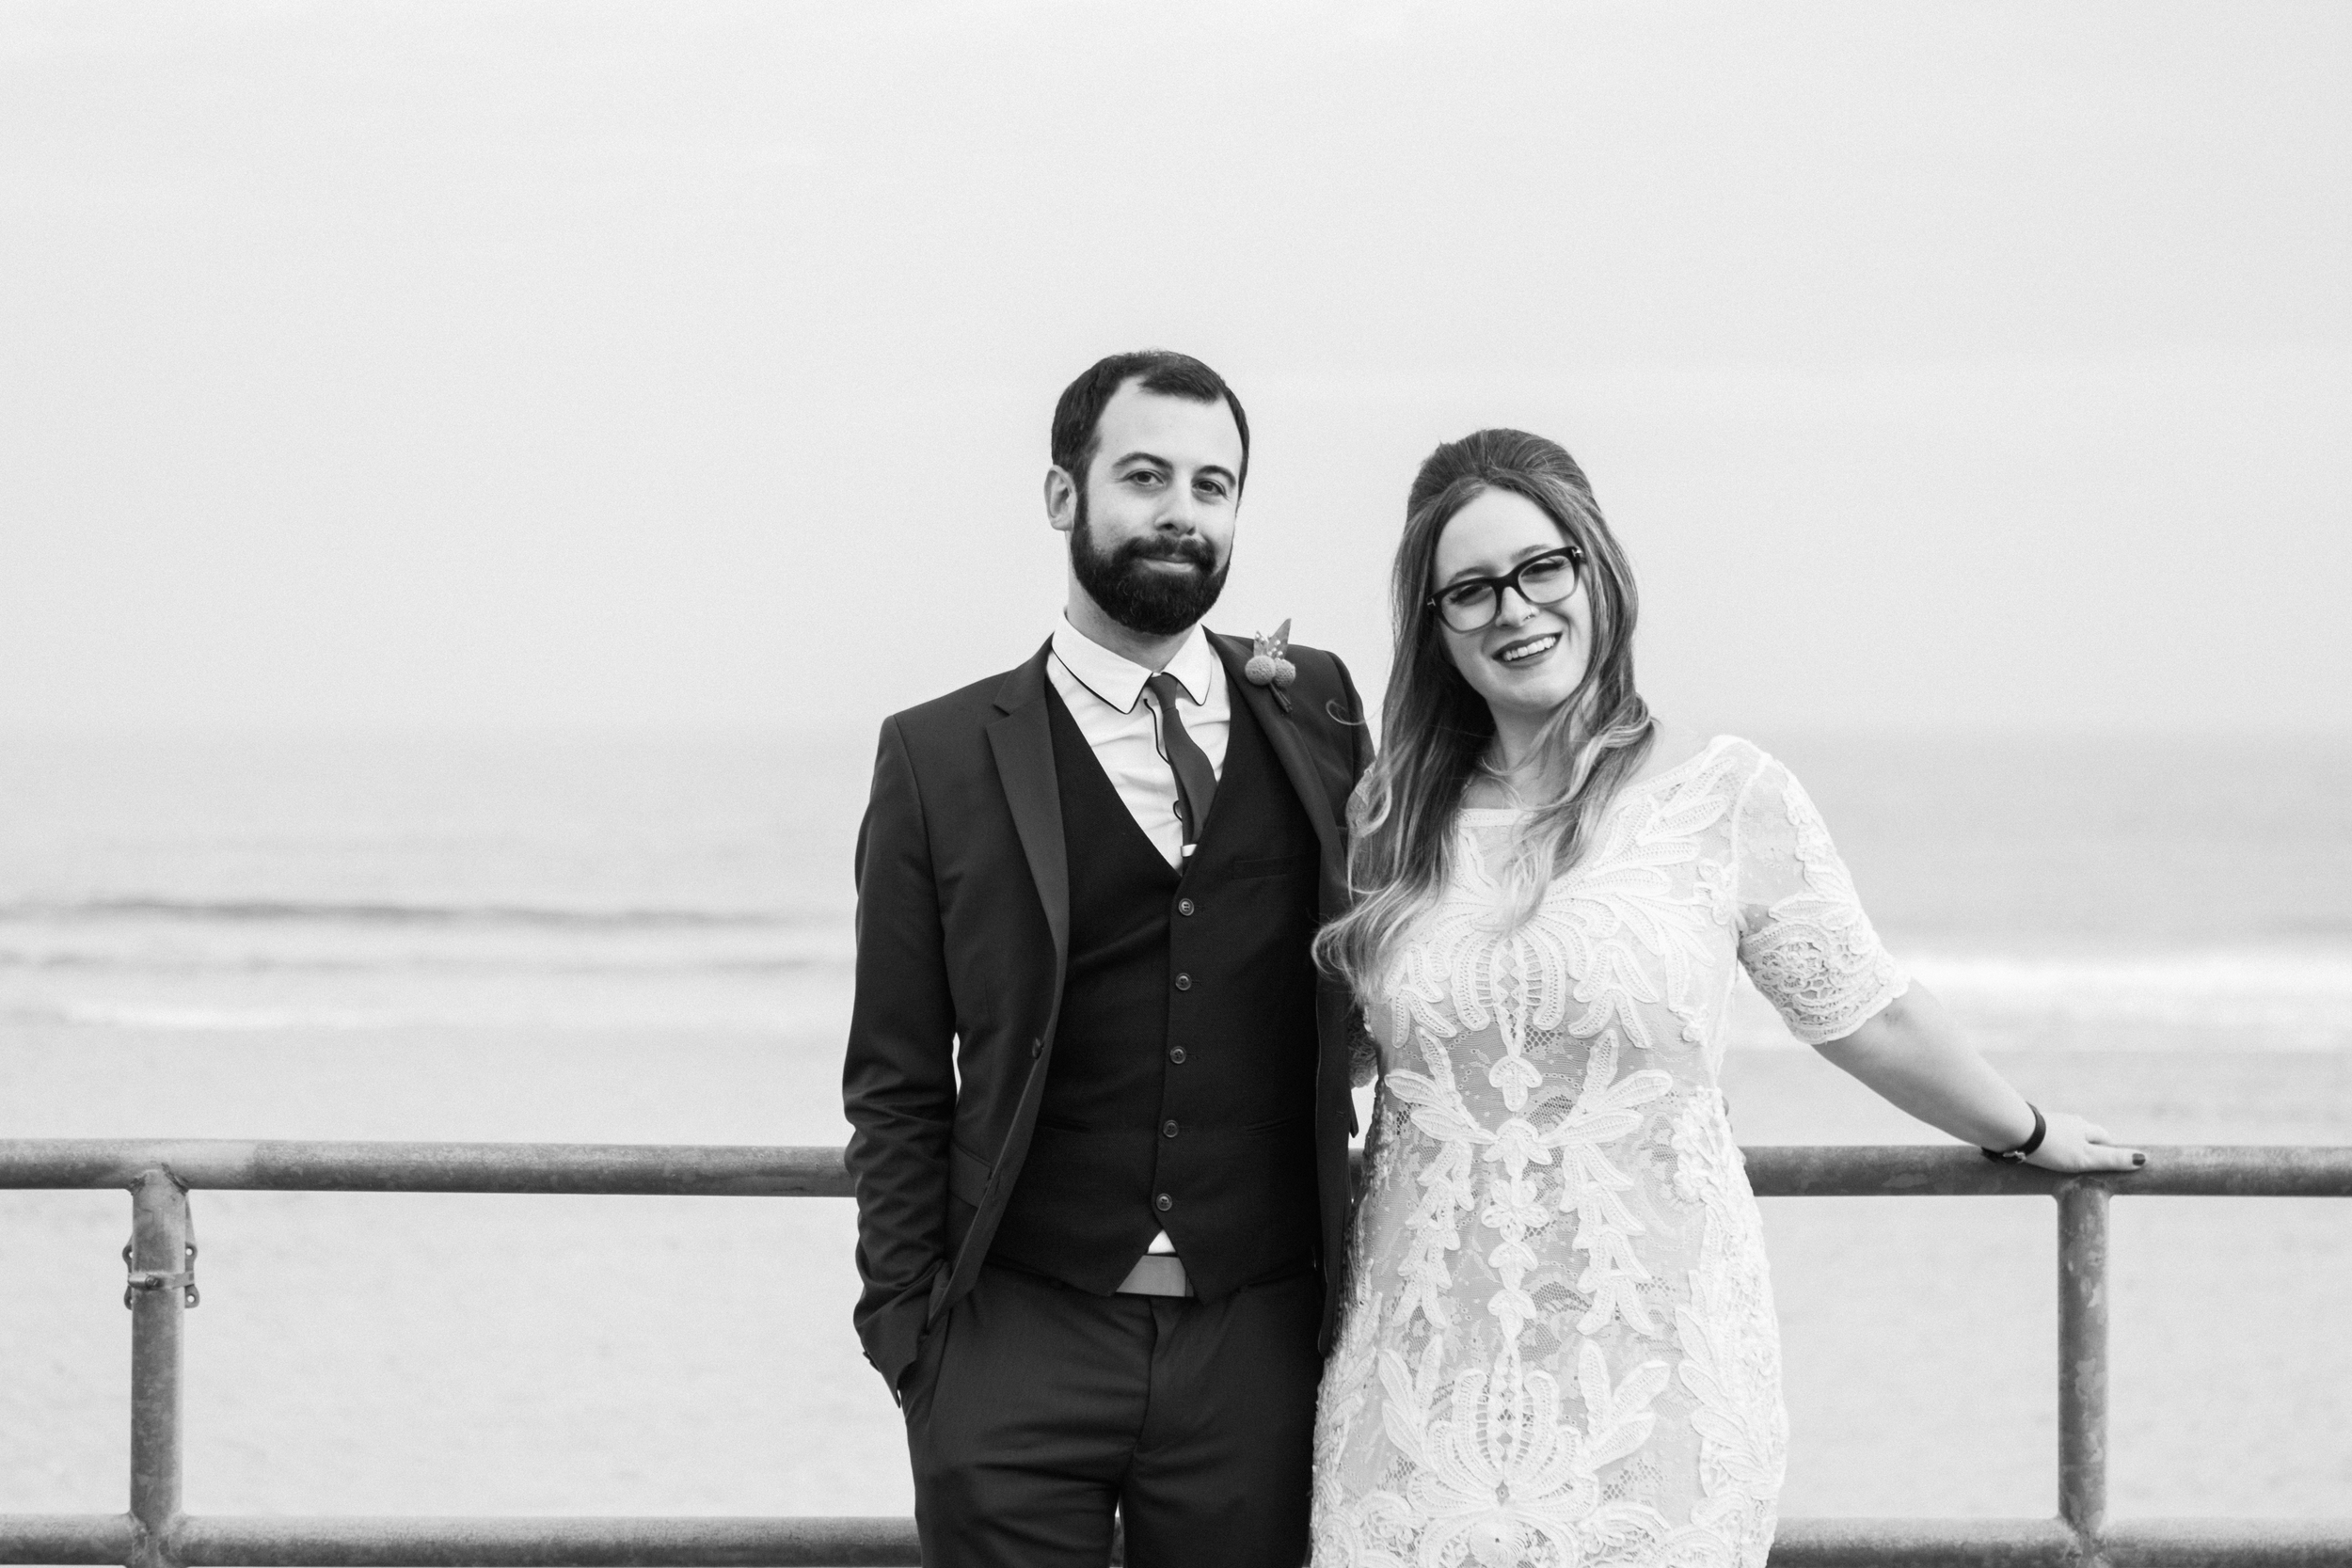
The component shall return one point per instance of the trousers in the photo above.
(1033, 1409)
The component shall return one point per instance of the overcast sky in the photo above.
(562, 364)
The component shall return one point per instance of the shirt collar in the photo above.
(1119, 680)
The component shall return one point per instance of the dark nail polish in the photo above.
(2138, 1159)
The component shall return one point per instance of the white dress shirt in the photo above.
(1104, 693)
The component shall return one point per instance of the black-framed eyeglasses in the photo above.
(1471, 603)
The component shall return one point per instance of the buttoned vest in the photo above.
(1181, 1093)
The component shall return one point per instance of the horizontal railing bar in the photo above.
(397, 1542)
(721, 1170)
(2230, 1544)
(66, 1537)
(2243, 1170)
(751, 1170)
(576, 1542)
(1923, 1543)
(1934, 1170)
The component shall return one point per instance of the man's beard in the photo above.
(1147, 601)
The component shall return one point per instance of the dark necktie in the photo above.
(1196, 781)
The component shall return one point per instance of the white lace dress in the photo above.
(1559, 1346)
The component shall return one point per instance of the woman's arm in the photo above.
(1911, 1054)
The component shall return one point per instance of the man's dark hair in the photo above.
(1079, 413)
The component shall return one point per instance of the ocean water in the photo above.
(646, 939)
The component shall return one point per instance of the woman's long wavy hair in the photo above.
(1435, 726)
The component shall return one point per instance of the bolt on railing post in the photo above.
(2083, 1362)
(159, 1239)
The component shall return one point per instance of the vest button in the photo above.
(1177, 1055)
(1037, 1049)
(1164, 1203)
(1184, 906)
(1168, 1128)
(1183, 982)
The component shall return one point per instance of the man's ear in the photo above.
(1061, 501)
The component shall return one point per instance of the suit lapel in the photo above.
(1023, 742)
(1282, 732)
(1022, 739)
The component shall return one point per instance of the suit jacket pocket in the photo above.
(967, 1175)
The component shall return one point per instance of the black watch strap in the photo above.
(2033, 1140)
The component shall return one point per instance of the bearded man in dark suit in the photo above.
(1099, 1087)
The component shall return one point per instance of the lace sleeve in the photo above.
(1802, 935)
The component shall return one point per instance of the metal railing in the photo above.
(160, 1174)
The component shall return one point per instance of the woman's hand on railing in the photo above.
(1911, 1056)
(2073, 1145)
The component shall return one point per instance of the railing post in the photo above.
(2083, 1363)
(159, 1240)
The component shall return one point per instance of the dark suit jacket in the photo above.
(962, 934)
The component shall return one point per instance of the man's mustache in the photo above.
(1195, 551)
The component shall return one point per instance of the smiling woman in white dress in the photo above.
(1559, 1346)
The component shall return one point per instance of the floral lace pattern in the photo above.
(1559, 1347)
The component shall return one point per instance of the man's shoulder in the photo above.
(1322, 661)
(965, 709)
(952, 706)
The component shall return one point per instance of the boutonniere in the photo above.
(1269, 663)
